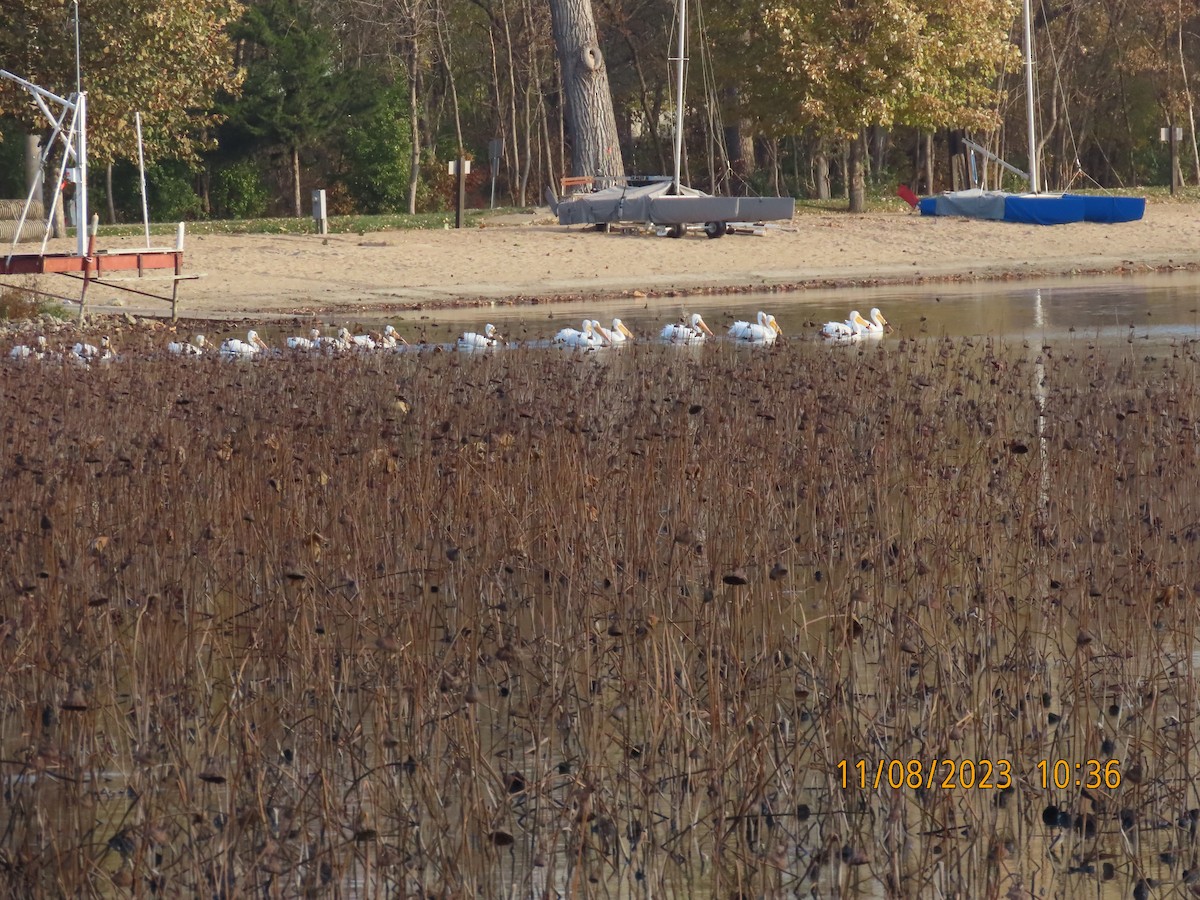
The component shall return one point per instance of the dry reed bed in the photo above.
(441, 625)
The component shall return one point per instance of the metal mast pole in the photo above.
(81, 168)
(680, 60)
(1035, 181)
(81, 177)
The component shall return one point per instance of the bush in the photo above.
(171, 194)
(238, 192)
(376, 151)
(17, 303)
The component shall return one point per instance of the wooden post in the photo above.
(88, 262)
(462, 193)
(178, 272)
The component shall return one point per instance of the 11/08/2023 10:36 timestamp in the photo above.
(968, 774)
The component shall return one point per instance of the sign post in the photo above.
(319, 212)
(461, 168)
(1172, 135)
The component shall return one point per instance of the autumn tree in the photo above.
(165, 60)
(840, 66)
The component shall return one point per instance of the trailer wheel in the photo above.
(714, 230)
(676, 231)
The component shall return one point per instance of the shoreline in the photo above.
(267, 277)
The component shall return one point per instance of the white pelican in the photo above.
(391, 337)
(39, 350)
(88, 353)
(471, 340)
(851, 330)
(877, 324)
(592, 337)
(342, 343)
(362, 342)
(764, 331)
(691, 332)
(619, 334)
(237, 348)
(312, 342)
(193, 348)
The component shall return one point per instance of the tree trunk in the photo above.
(414, 124)
(845, 159)
(59, 228)
(822, 175)
(595, 146)
(443, 37)
(108, 195)
(33, 165)
(296, 181)
(516, 152)
(773, 153)
(927, 143)
(878, 137)
(858, 193)
(206, 191)
(1187, 93)
(741, 150)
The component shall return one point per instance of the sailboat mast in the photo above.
(1035, 181)
(680, 61)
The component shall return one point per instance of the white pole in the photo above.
(137, 118)
(681, 60)
(81, 183)
(78, 70)
(1035, 182)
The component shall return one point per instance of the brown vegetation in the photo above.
(440, 625)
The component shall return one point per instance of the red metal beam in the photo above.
(50, 263)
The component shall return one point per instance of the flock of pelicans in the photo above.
(592, 335)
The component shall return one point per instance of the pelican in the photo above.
(312, 342)
(195, 347)
(619, 334)
(851, 330)
(593, 336)
(764, 331)
(39, 350)
(88, 353)
(691, 332)
(471, 340)
(877, 324)
(391, 337)
(362, 342)
(342, 343)
(235, 348)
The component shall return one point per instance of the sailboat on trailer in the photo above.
(668, 202)
(1034, 207)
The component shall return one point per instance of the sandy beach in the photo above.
(516, 259)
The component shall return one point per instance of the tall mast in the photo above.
(680, 60)
(1035, 181)
(81, 166)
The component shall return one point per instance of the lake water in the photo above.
(1160, 308)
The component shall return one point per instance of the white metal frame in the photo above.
(74, 143)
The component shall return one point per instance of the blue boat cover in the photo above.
(1112, 209)
(1043, 210)
(1031, 209)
